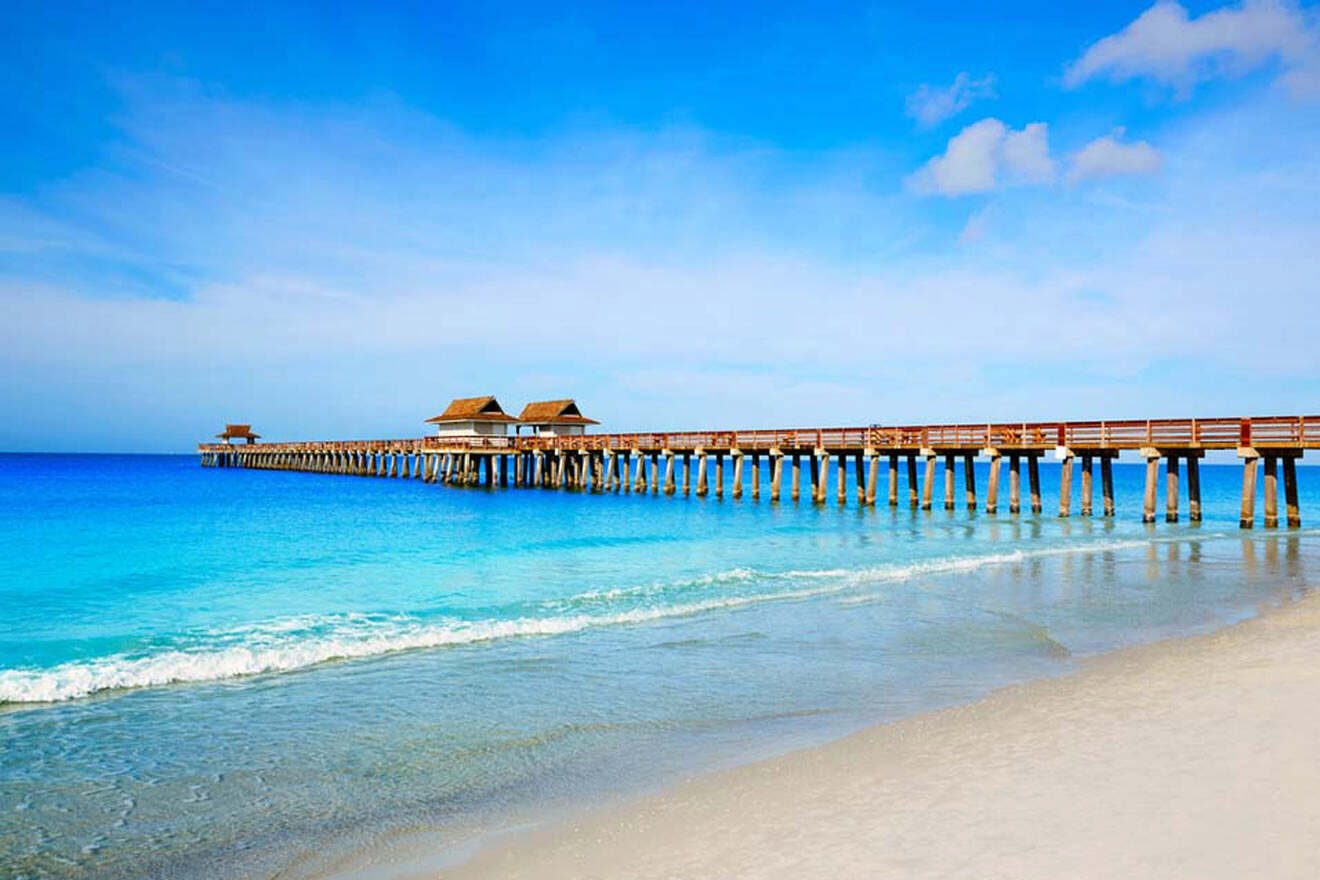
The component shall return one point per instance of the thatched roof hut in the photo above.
(237, 432)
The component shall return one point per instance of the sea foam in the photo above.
(296, 642)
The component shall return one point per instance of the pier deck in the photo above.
(632, 462)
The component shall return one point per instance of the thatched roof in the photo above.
(238, 431)
(554, 412)
(473, 409)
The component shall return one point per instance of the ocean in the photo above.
(229, 673)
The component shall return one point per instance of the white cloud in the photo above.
(1026, 154)
(1108, 156)
(985, 155)
(1168, 46)
(930, 105)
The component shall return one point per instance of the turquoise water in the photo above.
(227, 673)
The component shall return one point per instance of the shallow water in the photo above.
(220, 672)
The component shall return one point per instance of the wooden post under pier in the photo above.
(928, 479)
(1065, 484)
(822, 486)
(1290, 492)
(1171, 489)
(1271, 491)
(992, 490)
(1086, 484)
(1249, 457)
(1152, 457)
(1033, 473)
(1107, 484)
(948, 481)
(969, 481)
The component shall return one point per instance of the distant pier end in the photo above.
(472, 446)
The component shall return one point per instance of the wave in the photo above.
(296, 642)
(83, 678)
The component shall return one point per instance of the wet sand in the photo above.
(1195, 757)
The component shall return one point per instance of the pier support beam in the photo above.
(1086, 484)
(795, 489)
(860, 478)
(842, 494)
(776, 473)
(992, 490)
(1065, 484)
(687, 475)
(1171, 489)
(669, 473)
(1271, 491)
(1193, 488)
(703, 486)
(1290, 492)
(1033, 473)
(1107, 484)
(913, 500)
(1250, 458)
(872, 478)
(928, 478)
(756, 476)
(969, 481)
(719, 475)
(1152, 476)
(822, 458)
(737, 474)
(948, 481)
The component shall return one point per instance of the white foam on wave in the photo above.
(80, 679)
(285, 644)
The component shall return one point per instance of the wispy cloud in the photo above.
(1109, 156)
(930, 105)
(1166, 45)
(986, 155)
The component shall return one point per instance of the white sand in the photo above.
(1195, 758)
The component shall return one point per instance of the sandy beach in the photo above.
(1192, 757)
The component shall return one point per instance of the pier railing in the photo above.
(1215, 433)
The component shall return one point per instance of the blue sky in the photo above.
(330, 221)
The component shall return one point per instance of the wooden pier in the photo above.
(651, 462)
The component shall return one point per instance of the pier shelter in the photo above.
(473, 417)
(554, 418)
(238, 432)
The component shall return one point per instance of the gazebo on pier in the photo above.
(554, 418)
(233, 432)
(473, 417)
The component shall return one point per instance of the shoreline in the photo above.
(1190, 756)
